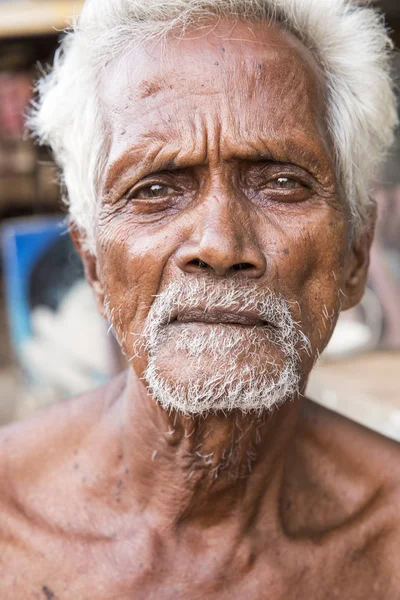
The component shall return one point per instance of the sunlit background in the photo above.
(52, 342)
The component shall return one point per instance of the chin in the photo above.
(203, 370)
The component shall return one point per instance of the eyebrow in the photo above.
(304, 156)
(137, 163)
(151, 157)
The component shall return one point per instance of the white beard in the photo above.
(230, 367)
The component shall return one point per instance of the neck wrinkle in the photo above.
(204, 471)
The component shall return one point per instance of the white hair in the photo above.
(227, 367)
(349, 42)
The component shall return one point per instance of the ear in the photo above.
(356, 272)
(90, 266)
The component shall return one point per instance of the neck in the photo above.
(207, 469)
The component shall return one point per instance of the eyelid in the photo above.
(301, 181)
(143, 184)
(299, 184)
(167, 178)
(289, 171)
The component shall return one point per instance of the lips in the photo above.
(225, 317)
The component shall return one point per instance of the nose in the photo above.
(222, 243)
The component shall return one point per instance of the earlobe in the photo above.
(90, 266)
(356, 275)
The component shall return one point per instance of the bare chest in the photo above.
(115, 570)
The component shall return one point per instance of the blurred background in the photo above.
(52, 342)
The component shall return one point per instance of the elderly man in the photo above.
(216, 157)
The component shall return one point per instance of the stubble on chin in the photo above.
(198, 370)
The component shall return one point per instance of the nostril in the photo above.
(242, 267)
(199, 263)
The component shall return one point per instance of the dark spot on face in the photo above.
(168, 165)
(149, 88)
(216, 64)
(120, 456)
(288, 505)
(49, 595)
(286, 251)
(76, 466)
(259, 66)
(223, 49)
(126, 471)
(123, 132)
(119, 483)
(252, 559)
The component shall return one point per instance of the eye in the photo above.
(152, 192)
(284, 183)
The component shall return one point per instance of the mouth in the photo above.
(219, 317)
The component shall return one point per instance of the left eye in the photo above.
(157, 190)
(284, 183)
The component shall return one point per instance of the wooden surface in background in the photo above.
(36, 18)
(364, 388)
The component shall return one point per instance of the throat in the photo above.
(204, 469)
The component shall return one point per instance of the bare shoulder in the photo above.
(44, 462)
(372, 453)
(33, 448)
(369, 460)
(357, 474)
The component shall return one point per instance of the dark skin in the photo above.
(220, 166)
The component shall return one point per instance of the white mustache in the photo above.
(251, 368)
(244, 374)
(210, 297)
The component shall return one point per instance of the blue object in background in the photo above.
(24, 241)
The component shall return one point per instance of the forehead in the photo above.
(234, 83)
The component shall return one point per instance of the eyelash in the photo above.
(146, 185)
(292, 172)
(289, 178)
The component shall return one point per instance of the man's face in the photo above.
(220, 195)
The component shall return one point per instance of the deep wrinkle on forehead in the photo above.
(217, 99)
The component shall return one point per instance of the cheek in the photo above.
(131, 268)
(309, 271)
(320, 291)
